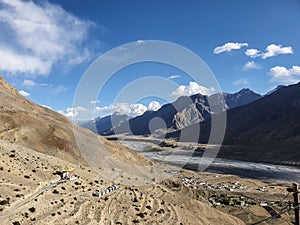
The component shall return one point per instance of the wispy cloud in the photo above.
(130, 109)
(47, 106)
(31, 83)
(72, 112)
(94, 101)
(270, 51)
(40, 35)
(191, 89)
(173, 77)
(228, 47)
(139, 42)
(242, 81)
(284, 75)
(251, 65)
(24, 93)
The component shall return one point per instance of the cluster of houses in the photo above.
(217, 194)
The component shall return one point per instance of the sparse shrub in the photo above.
(16, 223)
(55, 191)
(225, 200)
(32, 209)
(142, 215)
(4, 202)
(26, 176)
(161, 211)
(1, 167)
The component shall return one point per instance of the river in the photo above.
(182, 158)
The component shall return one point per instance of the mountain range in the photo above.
(266, 130)
(259, 128)
(185, 111)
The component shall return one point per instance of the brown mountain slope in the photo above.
(28, 124)
(27, 197)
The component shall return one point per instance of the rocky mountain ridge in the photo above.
(183, 112)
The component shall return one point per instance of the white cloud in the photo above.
(280, 71)
(79, 113)
(154, 105)
(31, 83)
(130, 109)
(24, 93)
(283, 75)
(94, 101)
(173, 77)
(273, 50)
(251, 65)
(242, 81)
(295, 70)
(15, 62)
(72, 112)
(104, 111)
(253, 53)
(228, 47)
(80, 58)
(191, 89)
(46, 106)
(39, 36)
(139, 42)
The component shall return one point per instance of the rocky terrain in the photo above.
(267, 130)
(185, 111)
(28, 196)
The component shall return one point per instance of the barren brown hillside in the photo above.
(28, 124)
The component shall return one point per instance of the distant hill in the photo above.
(105, 125)
(265, 130)
(185, 111)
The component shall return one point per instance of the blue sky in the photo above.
(45, 47)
